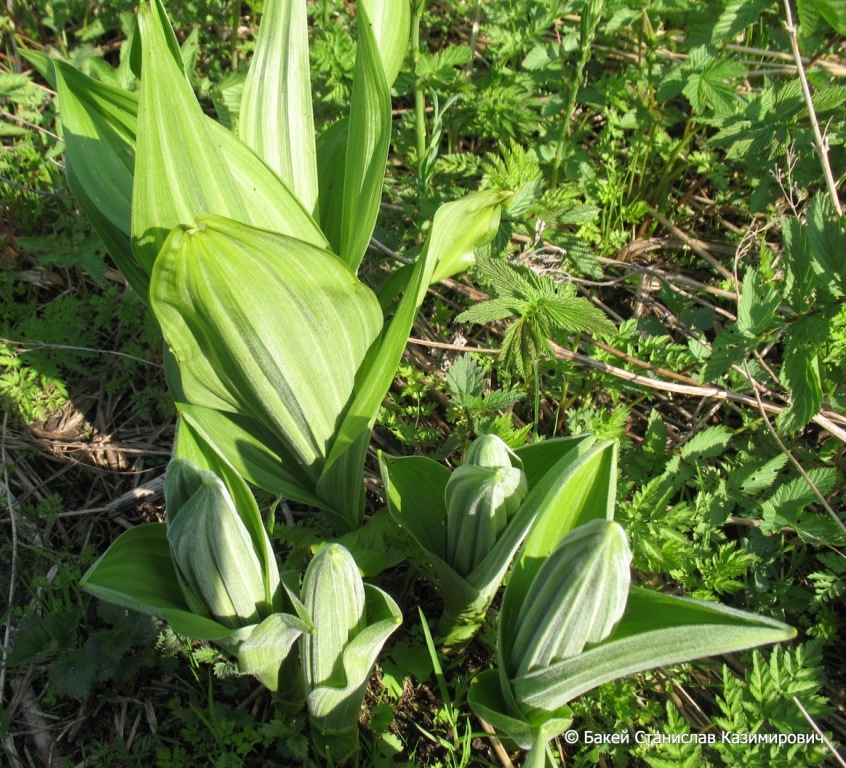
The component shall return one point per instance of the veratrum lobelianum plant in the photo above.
(469, 523)
(210, 572)
(571, 620)
(246, 246)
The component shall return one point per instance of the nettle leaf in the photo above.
(758, 304)
(276, 118)
(706, 444)
(708, 86)
(735, 17)
(466, 378)
(488, 311)
(800, 371)
(827, 240)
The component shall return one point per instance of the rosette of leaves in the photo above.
(571, 620)
(469, 523)
(352, 621)
(247, 246)
(209, 571)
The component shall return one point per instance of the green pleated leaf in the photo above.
(137, 572)
(585, 490)
(264, 326)
(188, 165)
(334, 709)
(276, 118)
(262, 654)
(415, 487)
(487, 701)
(458, 228)
(368, 141)
(212, 551)
(261, 458)
(193, 449)
(656, 630)
(99, 124)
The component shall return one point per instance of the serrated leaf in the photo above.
(707, 444)
(488, 311)
(800, 372)
(827, 240)
(465, 377)
(735, 17)
(758, 304)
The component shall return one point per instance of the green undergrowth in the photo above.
(606, 119)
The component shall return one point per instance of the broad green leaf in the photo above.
(137, 572)
(487, 701)
(368, 141)
(656, 630)
(391, 24)
(261, 458)
(457, 229)
(267, 646)
(193, 448)
(213, 553)
(276, 118)
(188, 165)
(576, 598)
(415, 487)
(265, 326)
(99, 124)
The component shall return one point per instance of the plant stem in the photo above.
(537, 754)
(419, 94)
(591, 14)
(821, 142)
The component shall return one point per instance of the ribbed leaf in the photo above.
(213, 553)
(267, 647)
(576, 598)
(334, 710)
(261, 458)
(188, 165)
(368, 141)
(581, 488)
(457, 229)
(99, 125)
(276, 118)
(266, 326)
(656, 630)
(195, 449)
(333, 595)
(137, 572)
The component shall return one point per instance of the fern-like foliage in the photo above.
(538, 308)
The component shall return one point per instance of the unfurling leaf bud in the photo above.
(577, 597)
(481, 496)
(216, 563)
(333, 595)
